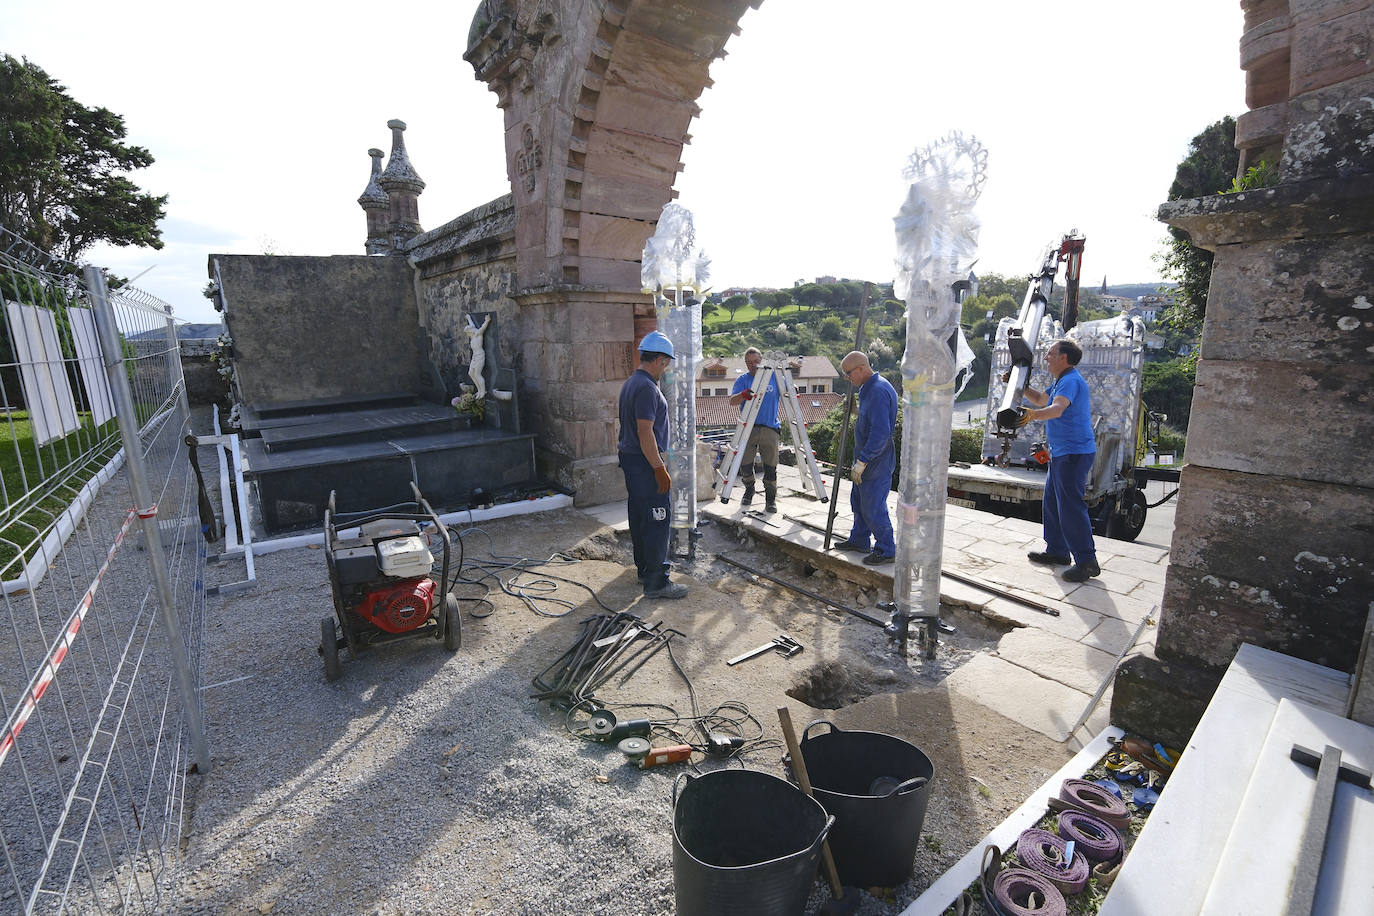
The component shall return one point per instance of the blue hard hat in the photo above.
(656, 342)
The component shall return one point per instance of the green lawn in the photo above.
(746, 313)
(41, 481)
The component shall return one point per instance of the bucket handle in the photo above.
(914, 784)
(806, 733)
(825, 832)
(678, 783)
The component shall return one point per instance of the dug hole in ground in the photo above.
(428, 782)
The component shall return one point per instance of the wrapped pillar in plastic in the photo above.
(937, 236)
(676, 270)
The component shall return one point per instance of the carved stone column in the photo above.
(598, 96)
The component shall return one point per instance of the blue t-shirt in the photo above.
(877, 419)
(768, 410)
(640, 399)
(1071, 433)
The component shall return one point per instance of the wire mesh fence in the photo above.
(101, 562)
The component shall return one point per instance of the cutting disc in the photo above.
(634, 746)
(601, 722)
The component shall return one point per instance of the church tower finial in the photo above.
(377, 206)
(402, 186)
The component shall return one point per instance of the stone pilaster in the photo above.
(1273, 542)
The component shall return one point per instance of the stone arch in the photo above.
(597, 97)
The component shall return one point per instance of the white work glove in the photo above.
(856, 473)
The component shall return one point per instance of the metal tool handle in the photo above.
(752, 653)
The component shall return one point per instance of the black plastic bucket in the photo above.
(744, 844)
(877, 787)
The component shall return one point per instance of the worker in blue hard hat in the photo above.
(643, 442)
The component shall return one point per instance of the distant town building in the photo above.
(810, 375)
(1115, 303)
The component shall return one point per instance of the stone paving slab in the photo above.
(1071, 663)
(1049, 666)
(1036, 702)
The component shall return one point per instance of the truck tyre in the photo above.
(1127, 523)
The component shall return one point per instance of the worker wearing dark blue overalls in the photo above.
(1068, 427)
(643, 442)
(875, 458)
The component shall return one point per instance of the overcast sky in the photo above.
(260, 116)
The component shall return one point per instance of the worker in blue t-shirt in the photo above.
(765, 436)
(643, 442)
(875, 458)
(1065, 408)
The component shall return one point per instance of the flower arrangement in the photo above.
(468, 403)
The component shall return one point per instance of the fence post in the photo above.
(175, 376)
(113, 355)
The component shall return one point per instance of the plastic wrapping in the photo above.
(675, 269)
(937, 236)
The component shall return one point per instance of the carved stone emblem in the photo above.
(529, 159)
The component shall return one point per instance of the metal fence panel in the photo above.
(97, 737)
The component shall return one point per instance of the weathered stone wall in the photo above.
(467, 266)
(356, 315)
(1274, 533)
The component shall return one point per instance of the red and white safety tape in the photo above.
(59, 651)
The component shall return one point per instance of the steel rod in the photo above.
(799, 590)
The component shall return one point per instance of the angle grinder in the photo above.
(604, 727)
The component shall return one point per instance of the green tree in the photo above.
(993, 285)
(62, 185)
(1167, 387)
(782, 299)
(1209, 167)
(810, 295)
(735, 303)
(976, 308)
(831, 328)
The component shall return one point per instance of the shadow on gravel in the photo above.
(430, 782)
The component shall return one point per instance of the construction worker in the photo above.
(763, 438)
(1069, 429)
(875, 458)
(643, 441)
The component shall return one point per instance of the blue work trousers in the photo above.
(868, 501)
(1068, 530)
(649, 527)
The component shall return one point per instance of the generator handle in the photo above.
(438, 528)
(329, 513)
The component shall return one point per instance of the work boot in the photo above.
(1048, 559)
(770, 497)
(1081, 572)
(667, 590)
(748, 497)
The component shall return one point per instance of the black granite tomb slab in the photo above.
(293, 486)
(361, 426)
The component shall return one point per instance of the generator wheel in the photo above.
(453, 623)
(329, 648)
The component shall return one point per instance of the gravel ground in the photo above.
(430, 782)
